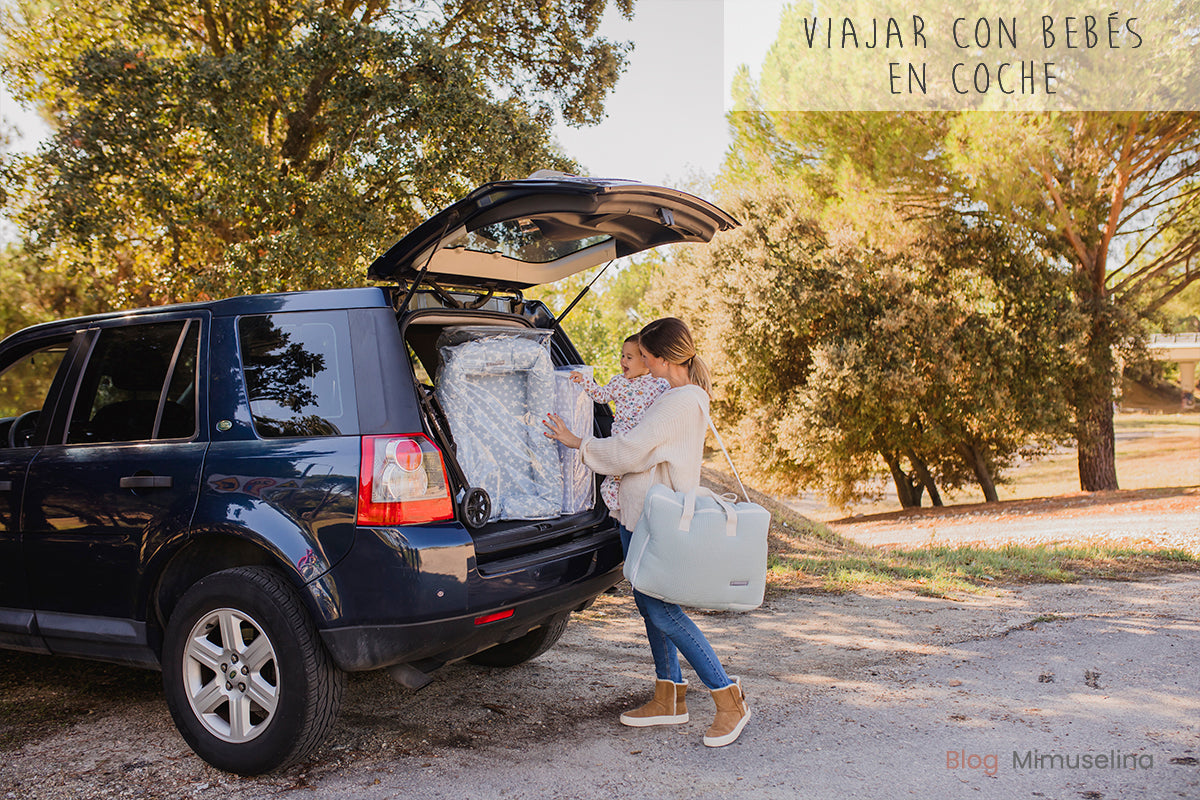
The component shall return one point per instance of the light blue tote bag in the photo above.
(700, 549)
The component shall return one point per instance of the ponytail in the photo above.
(699, 374)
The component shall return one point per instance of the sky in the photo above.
(665, 120)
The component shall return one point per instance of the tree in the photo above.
(835, 356)
(1110, 199)
(208, 147)
(614, 307)
(1081, 184)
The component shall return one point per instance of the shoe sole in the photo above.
(729, 738)
(646, 722)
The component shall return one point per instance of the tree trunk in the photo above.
(1097, 445)
(908, 491)
(921, 470)
(978, 464)
(1094, 404)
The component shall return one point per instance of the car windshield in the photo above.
(523, 240)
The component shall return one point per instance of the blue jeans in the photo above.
(671, 632)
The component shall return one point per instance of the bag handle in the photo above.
(724, 501)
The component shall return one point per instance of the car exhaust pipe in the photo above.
(409, 676)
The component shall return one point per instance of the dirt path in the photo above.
(853, 696)
(1145, 518)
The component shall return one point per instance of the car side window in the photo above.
(139, 384)
(299, 373)
(24, 385)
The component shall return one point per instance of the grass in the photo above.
(807, 555)
(967, 569)
(1151, 452)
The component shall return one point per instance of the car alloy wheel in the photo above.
(230, 675)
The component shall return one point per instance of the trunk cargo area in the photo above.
(488, 379)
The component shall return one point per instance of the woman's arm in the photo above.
(670, 419)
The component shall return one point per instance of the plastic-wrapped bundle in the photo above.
(496, 385)
(576, 409)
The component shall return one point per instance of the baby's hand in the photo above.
(576, 377)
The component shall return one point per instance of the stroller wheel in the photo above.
(475, 507)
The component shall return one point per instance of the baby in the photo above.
(631, 393)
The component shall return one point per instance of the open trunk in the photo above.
(509, 533)
(467, 266)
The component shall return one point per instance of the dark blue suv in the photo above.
(258, 494)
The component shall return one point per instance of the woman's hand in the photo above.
(557, 429)
(576, 377)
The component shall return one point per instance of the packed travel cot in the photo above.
(495, 386)
(575, 408)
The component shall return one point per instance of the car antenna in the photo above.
(412, 287)
(579, 296)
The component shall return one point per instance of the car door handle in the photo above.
(5, 486)
(146, 482)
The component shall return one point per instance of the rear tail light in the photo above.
(402, 480)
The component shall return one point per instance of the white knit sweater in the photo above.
(666, 447)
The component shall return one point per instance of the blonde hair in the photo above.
(669, 338)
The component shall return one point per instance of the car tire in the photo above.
(526, 648)
(250, 685)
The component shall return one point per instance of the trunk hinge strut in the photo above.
(579, 296)
(412, 287)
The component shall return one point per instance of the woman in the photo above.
(666, 447)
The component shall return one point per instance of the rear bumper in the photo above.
(365, 647)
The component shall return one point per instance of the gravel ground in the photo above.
(853, 696)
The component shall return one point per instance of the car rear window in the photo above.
(525, 240)
(299, 373)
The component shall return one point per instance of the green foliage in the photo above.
(1181, 313)
(38, 291)
(835, 357)
(209, 148)
(1107, 201)
(614, 307)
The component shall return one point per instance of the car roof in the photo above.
(309, 300)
